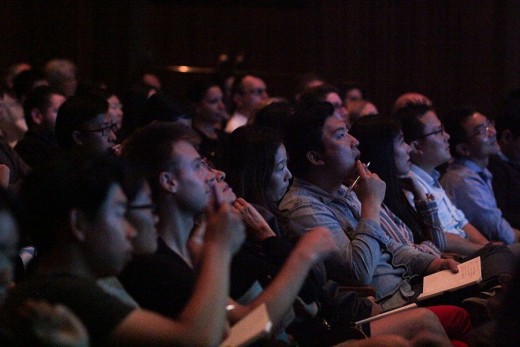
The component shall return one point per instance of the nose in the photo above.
(288, 174)
(408, 148)
(219, 175)
(130, 230)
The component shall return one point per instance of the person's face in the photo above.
(401, 155)
(51, 112)
(108, 237)
(434, 148)
(212, 108)
(340, 112)
(193, 178)
(115, 110)
(341, 148)
(353, 94)
(140, 214)
(254, 95)
(227, 192)
(98, 135)
(280, 177)
(481, 136)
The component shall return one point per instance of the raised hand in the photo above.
(224, 226)
(370, 188)
(259, 228)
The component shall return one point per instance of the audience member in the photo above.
(39, 144)
(351, 91)
(13, 71)
(26, 82)
(249, 94)
(325, 93)
(323, 156)
(359, 108)
(83, 124)
(62, 75)
(505, 166)
(411, 98)
(209, 114)
(467, 180)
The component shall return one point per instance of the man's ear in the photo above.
(315, 158)
(77, 137)
(36, 116)
(462, 149)
(77, 223)
(168, 182)
(506, 137)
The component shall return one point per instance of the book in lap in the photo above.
(470, 273)
(255, 325)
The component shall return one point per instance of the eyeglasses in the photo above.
(439, 131)
(483, 129)
(105, 131)
(151, 206)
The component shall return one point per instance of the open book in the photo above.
(470, 273)
(255, 325)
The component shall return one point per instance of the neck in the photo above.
(67, 258)
(175, 226)
(481, 162)
(322, 179)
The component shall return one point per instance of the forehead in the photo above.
(183, 151)
(253, 82)
(213, 91)
(333, 98)
(333, 124)
(100, 119)
(473, 121)
(430, 121)
(115, 196)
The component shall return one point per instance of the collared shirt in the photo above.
(451, 218)
(506, 186)
(367, 256)
(469, 187)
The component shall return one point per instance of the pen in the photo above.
(356, 180)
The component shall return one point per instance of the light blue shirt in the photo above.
(367, 255)
(452, 219)
(469, 187)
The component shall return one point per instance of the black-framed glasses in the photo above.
(151, 206)
(105, 131)
(483, 129)
(435, 132)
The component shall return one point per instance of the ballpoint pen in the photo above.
(356, 180)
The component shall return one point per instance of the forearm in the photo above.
(456, 244)
(474, 235)
(205, 313)
(280, 294)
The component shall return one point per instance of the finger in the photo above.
(362, 170)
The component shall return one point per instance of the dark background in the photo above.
(453, 51)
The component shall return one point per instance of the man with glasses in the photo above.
(425, 133)
(249, 94)
(467, 180)
(84, 124)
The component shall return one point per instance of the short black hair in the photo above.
(453, 124)
(409, 116)
(53, 189)
(305, 133)
(149, 149)
(74, 113)
(39, 98)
